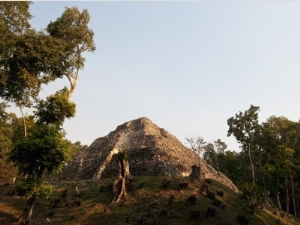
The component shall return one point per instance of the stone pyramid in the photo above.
(151, 151)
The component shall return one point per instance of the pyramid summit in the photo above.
(151, 151)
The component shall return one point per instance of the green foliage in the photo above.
(75, 37)
(213, 153)
(18, 127)
(244, 125)
(29, 58)
(27, 61)
(71, 28)
(76, 148)
(148, 203)
(55, 109)
(273, 150)
(5, 131)
(32, 187)
(15, 16)
(43, 152)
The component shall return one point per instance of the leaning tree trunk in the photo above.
(120, 183)
(73, 79)
(277, 196)
(25, 218)
(278, 200)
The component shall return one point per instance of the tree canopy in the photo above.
(28, 60)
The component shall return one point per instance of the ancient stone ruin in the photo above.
(150, 150)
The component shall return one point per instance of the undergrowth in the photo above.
(152, 200)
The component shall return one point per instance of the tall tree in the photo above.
(244, 127)
(37, 156)
(29, 58)
(213, 152)
(76, 37)
(282, 146)
(197, 145)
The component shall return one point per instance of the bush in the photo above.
(171, 199)
(183, 185)
(220, 193)
(243, 220)
(195, 215)
(65, 194)
(211, 195)
(218, 203)
(192, 200)
(166, 183)
(208, 181)
(211, 212)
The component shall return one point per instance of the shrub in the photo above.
(243, 220)
(55, 203)
(183, 185)
(192, 200)
(65, 194)
(211, 212)
(195, 215)
(208, 181)
(171, 199)
(163, 212)
(216, 202)
(211, 195)
(166, 183)
(220, 193)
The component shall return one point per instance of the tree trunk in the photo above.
(297, 208)
(73, 82)
(287, 197)
(251, 164)
(293, 196)
(24, 121)
(278, 200)
(120, 183)
(25, 218)
(196, 173)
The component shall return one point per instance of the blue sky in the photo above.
(187, 66)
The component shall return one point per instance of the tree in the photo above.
(273, 149)
(55, 109)
(213, 152)
(124, 179)
(39, 155)
(44, 150)
(29, 59)
(197, 145)
(76, 148)
(6, 131)
(282, 146)
(244, 127)
(72, 30)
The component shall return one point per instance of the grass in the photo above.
(153, 200)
